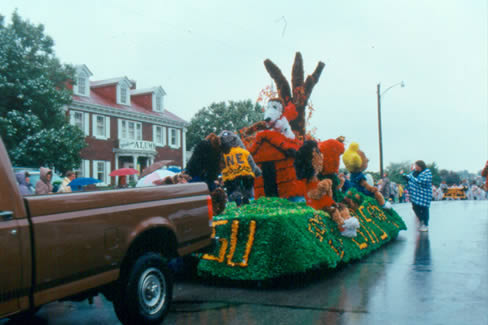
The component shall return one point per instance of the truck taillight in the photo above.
(210, 209)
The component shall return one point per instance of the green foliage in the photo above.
(221, 116)
(33, 89)
(450, 177)
(394, 171)
(376, 175)
(291, 238)
(34, 146)
(436, 178)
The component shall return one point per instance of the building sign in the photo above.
(137, 145)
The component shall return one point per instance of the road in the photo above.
(439, 277)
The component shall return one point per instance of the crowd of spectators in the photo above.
(463, 191)
(398, 193)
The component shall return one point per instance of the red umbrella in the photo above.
(157, 165)
(124, 172)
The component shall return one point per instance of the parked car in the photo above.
(116, 242)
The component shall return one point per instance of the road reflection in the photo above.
(422, 259)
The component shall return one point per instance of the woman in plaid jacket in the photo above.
(420, 190)
(484, 173)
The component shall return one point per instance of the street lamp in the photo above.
(379, 93)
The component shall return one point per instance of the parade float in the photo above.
(277, 234)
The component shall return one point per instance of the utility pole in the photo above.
(378, 93)
(379, 128)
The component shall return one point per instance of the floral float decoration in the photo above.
(274, 236)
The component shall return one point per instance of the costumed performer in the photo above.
(356, 163)
(240, 169)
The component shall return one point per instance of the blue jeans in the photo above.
(422, 213)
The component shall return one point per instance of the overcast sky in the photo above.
(208, 51)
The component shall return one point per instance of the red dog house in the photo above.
(274, 154)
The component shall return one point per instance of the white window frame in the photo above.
(157, 96)
(160, 142)
(123, 84)
(123, 132)
(85, 168)
(83, 72)
(106, 165)
(81, 82)
(123, 95)
(85, 121)
(176, 145)
(85, 90)
(106, 122)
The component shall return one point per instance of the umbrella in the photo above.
(154, 176)
(124, 172)
(175, 169)
(77, 183)
(155, 166)
(82, 181)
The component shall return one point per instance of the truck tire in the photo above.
(145, 293)
(25, 316)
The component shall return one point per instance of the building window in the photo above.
(81, 120)
(130, 130)
(78, 120)
(174, 138)
(159, 103)
(82, 85)
(101, 127)
(101, 170)
(123, 130)
(81, 80)
(159, 135)
(85, 168)
(123, 94)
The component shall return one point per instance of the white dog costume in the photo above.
(273, 116)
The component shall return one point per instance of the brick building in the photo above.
(124, 126)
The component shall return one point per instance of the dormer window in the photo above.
(157, 99)
(82, 81)
(123, 91)
(159, 103)
(123, 94)
(82, 85)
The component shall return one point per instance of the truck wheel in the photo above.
(145, 292)
(25, 317)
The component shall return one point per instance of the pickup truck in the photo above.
(74, 246)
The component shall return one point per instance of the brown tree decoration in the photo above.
(301, 90)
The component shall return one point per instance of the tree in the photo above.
(450, 177)
(436, 178)
(217, 117)
(38, 145)
(393, 171)
(33, 90)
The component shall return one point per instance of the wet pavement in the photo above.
(439, 277)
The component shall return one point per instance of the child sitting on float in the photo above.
(356, 163)
(318, 195)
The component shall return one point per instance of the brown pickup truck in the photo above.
(118, 242)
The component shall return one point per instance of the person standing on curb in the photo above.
(484, 173)
(43, 185)
(420, 190)
(385, 187)
(69, 177)
(23, 180)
